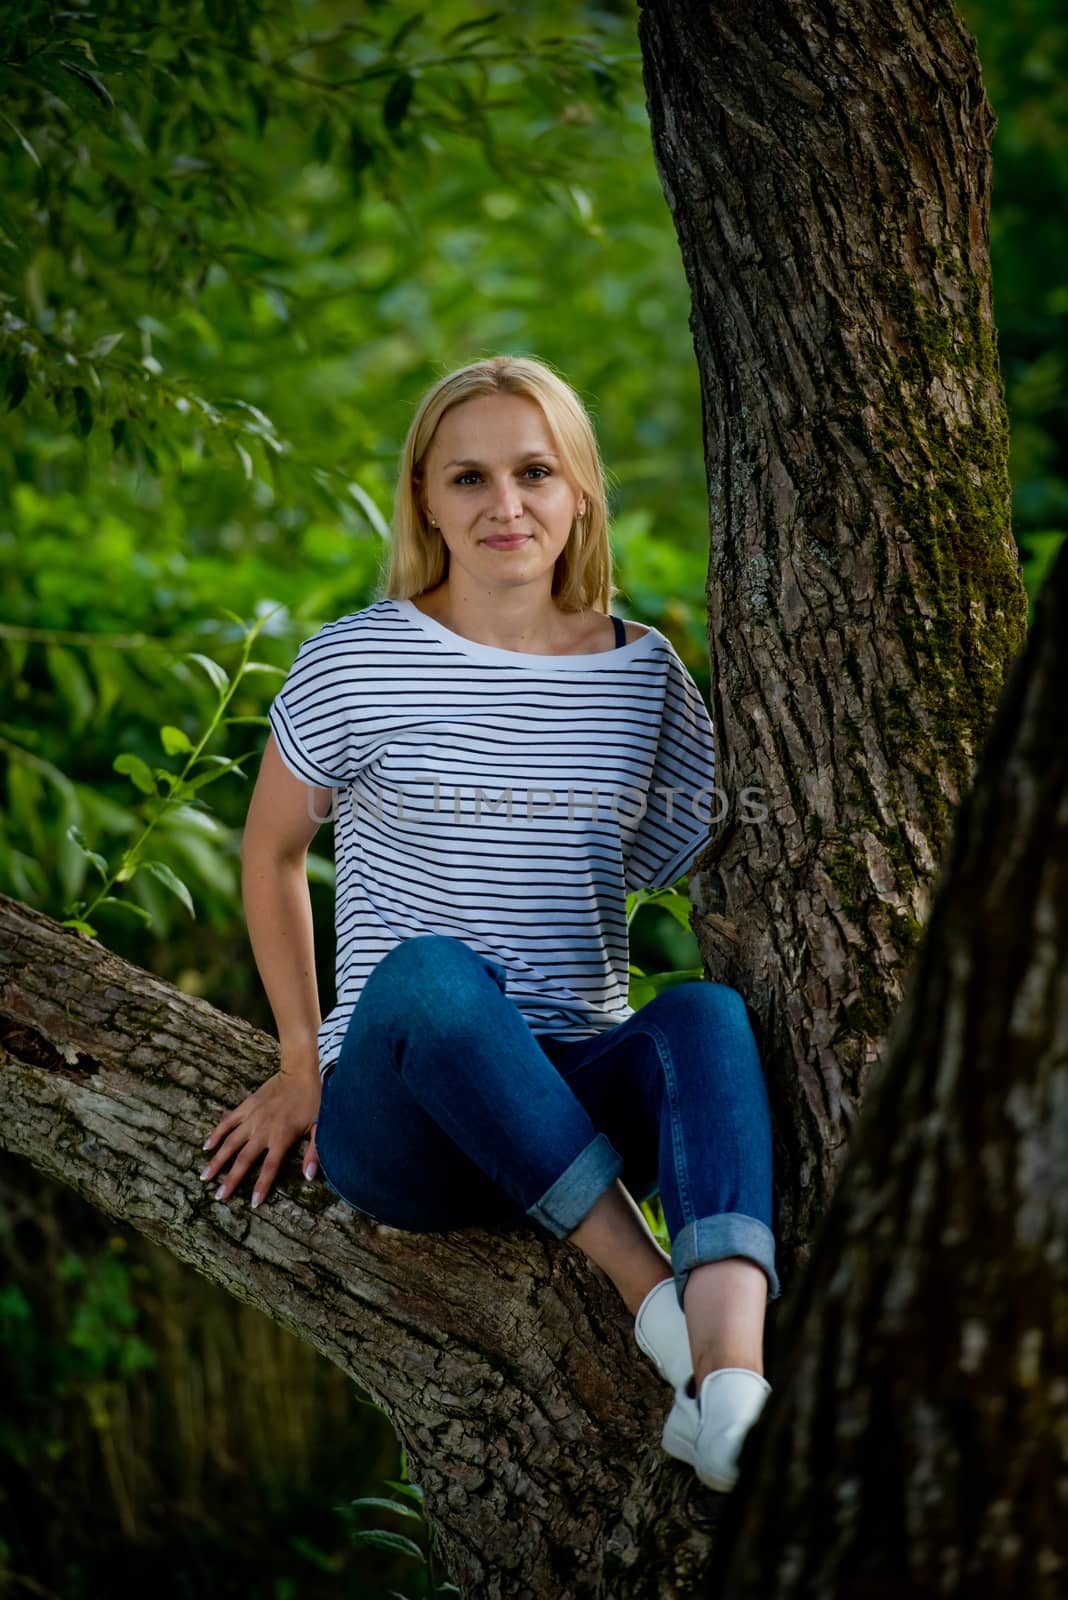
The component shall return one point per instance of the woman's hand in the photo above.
(270, 1119)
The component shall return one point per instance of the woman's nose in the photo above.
(507, 501)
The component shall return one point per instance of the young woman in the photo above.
(510, 762)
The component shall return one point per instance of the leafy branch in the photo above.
(182, 789)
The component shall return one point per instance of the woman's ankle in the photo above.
(702, 1367)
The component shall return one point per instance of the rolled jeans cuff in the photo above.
(563, 1206)
(732, 1233)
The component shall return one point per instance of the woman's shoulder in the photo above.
(370, 619)
(634, 631)
(595, 631)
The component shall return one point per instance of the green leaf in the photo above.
(380, 1539)
(127, 905)
(1040, 548)
(474, 22)
(166, 875)
(397, 101)
(175, 740)
(412, 1490)
(216, 673)
(677, 905)
(233, 615)
(72, 683)
(180, 789)
(641, 991)
(202, 778)
(105, 345)
(383, 1504)
(657, 982)
(75, 833)
(374, 516)
(79, 926)
(23, 141)
(253, 411)
(137, 770)
(263, 666)
(361, 151)
(394, 43)
(90, 81)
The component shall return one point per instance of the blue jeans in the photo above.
(443, 1110)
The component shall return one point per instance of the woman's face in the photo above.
(491, 472)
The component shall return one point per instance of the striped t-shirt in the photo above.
(508, 799)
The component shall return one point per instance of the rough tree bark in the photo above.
(917, 1443)
(828, 171)
(504, 1359)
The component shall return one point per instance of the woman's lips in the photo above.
(507, 543)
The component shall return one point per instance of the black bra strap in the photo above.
(621, 632)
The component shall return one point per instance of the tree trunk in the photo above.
(917, 1443)
(828, 172)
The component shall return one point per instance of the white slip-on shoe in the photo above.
(709, 1430)
(661, 1332)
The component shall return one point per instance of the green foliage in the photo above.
(645, 985)
(97, 1353)
(203, 207)
(1023, 48)
(249, 261)
(170, 792)
(398, 1543)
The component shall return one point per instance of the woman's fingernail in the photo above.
(205, 1174)
(207, 1143)
(310, 1171)
(220, 1191)
(256, 1198)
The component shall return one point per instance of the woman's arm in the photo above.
(277, 903)
(274, 888)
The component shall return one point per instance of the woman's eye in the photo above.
(473, 474)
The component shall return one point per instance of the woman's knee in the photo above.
(700, 1001)
(434, 972)
(426, 958)
(709, 1035)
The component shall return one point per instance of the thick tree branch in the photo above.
(504, 1359)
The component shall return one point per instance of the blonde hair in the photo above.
(419, 556)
